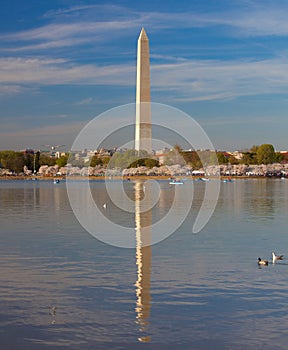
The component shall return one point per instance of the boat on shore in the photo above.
(202, 179)
(227, 180)
(176, 182)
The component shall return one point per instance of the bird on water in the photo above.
(276, 257)
(262, 262)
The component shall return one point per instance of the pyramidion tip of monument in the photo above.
(143, 35)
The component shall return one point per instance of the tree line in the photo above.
(263, 154)
(16, 161)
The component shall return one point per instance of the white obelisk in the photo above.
(143, 139)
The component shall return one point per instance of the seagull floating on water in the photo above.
(276, 257)
(262, 262)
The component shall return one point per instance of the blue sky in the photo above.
(225, 63)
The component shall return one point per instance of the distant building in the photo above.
(28, 151)
(59, 154)
(236, 154)
(285, 156)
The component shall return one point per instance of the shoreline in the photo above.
(131, 178)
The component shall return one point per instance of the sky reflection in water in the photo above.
(200, 290)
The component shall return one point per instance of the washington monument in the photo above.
(143, 140)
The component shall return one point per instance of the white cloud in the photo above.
(69, 10)
(219, 96)
(34, 138)
(78, 30)
(259, 22)
(49, 71)
(101, 23)
(11, 89)
(190, 80)
(199, 80)
(85, 101)
(52, 44)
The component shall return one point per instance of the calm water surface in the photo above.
(60, 288)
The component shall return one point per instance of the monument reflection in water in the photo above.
(143, 220)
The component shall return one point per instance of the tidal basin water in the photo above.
(61, 288)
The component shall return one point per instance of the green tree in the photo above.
(45, 160)
(148, 162)
(221, 158)
(32, 161)
(192, 158)
(266, 154)
(29, 161)
(249, 158)
(96, 161)
(19, 162)
(208, 158)
(36, 165)
(279, 157)
(62, 161)
(232, 160)
(105, 161)
(175, 156)
(126, 159)
(14, 161)
(115, 161)
(254, 149)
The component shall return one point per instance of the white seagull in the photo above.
(276, 257)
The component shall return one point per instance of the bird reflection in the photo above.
(143, 259)
(52, 312)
